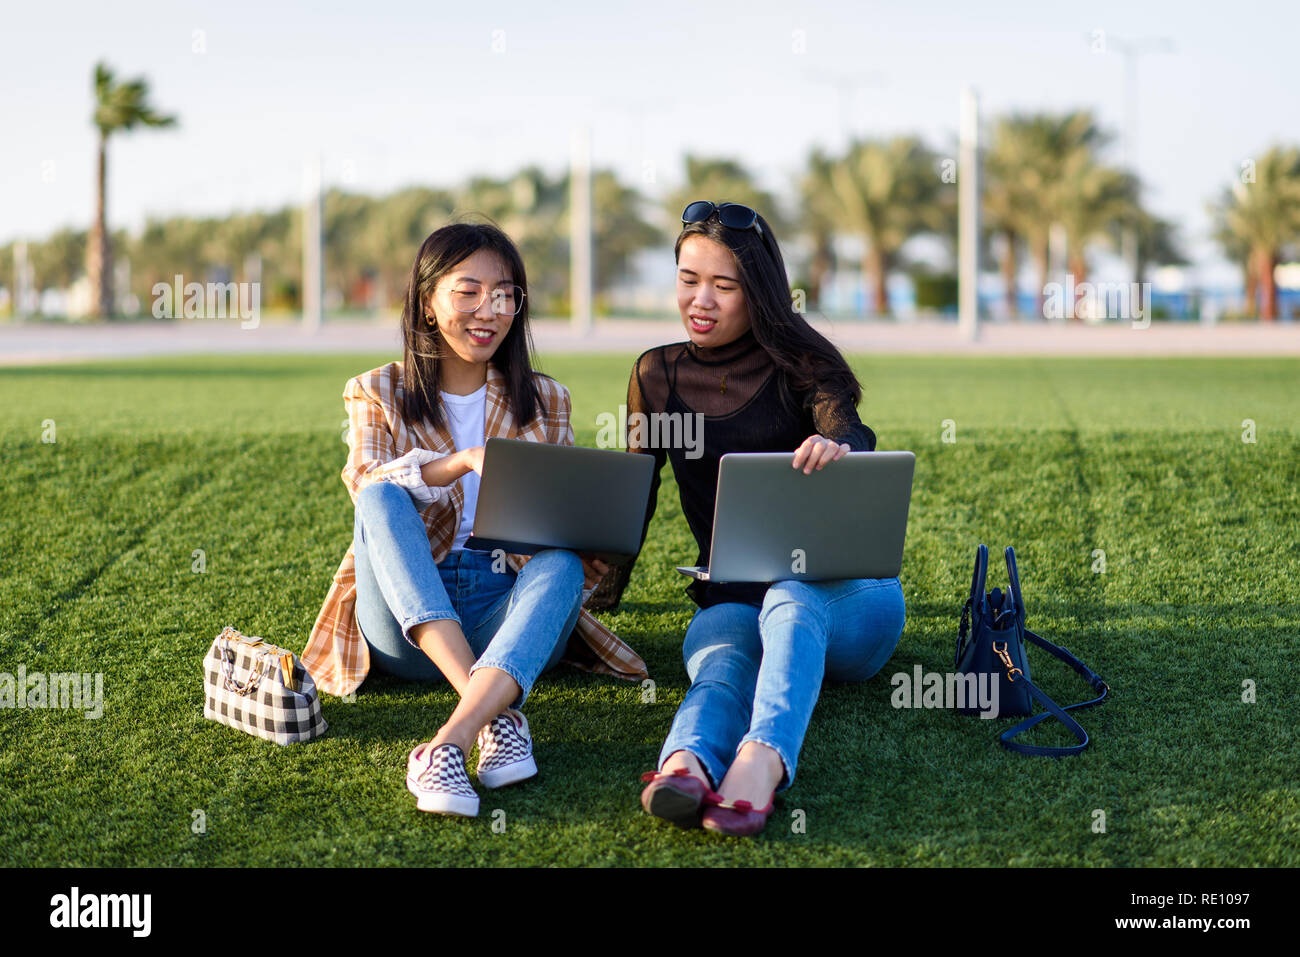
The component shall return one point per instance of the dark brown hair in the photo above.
(422, 343)
(809, 363)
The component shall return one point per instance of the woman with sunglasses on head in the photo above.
(764, 381)
(409, 598)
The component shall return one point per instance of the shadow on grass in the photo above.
(647, 607)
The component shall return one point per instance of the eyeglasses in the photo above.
(506, 300)
(731, 215)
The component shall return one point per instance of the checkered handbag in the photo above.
(256, 687)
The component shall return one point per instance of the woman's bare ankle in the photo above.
(754, 775)
(452, 734)
(684, 759)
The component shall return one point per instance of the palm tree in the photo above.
(1237, 250)
(57, 260)
(118, 106)
(1090, 201)
(1013, 192)
(392, 235)
(530, 207)
(533, 209)
(619, 231)
(1264, 217)
(1000, 217)
(1030, 164)
(345, 220)
(819, 220)
(1157, 242)
(888, 192)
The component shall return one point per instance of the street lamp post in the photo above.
(968, 217)
(580, 233)
(313, 252)
(1132, 50)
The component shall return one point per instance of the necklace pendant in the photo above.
(723, 389)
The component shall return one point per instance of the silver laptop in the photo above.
(773, 523)
(534, 495)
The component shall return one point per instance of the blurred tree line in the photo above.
(1044, 174)
(370, 243)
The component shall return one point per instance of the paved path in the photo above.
(34, 343)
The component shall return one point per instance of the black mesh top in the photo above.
(737, 388)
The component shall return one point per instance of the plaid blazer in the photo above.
(336, 654)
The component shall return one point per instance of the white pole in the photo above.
(1132, 50)
(968, 217)
(1128, 236)
(313, 252)
(22, 284)
(580, 233)
(121, 282)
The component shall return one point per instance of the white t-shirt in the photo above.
(467, 422)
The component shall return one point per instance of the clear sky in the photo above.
(390, 94)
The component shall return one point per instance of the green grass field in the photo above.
(240, 457)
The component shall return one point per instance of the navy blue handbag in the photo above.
(991, 642)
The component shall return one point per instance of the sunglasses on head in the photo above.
(731, 215)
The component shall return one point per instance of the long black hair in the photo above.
(422, 343)
(809, 363)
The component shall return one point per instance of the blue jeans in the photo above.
(516, 623)
(756, 673)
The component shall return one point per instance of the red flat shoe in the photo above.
(738, 819)
(676, 796)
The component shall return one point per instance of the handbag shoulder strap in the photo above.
(1053, 709)
(1013, 581)
(977, 580)
(976, 604)
(1088, 675)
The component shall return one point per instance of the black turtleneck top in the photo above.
(738, 390)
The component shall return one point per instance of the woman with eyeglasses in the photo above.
(765, 381)
(409, 598)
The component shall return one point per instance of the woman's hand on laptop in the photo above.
(444, 471)
(816, 451)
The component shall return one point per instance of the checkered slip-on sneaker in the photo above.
(505, 751)
(437, 778)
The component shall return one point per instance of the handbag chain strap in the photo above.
(228, 672)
